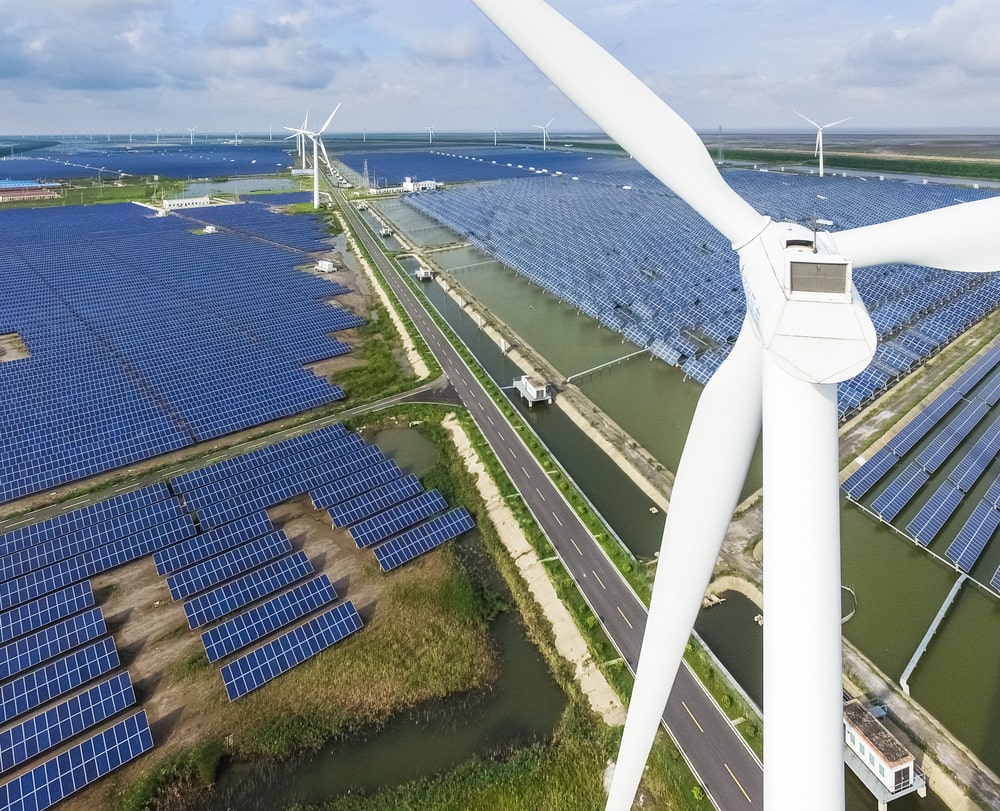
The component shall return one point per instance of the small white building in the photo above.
(533, 389)
(891, 770)
(186, 202)
(411, 185)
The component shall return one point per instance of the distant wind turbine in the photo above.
(191, 134)
(158, 135)
(819, 136)
(545, 133)
(496, 132)
(430, 134)
(317, 139)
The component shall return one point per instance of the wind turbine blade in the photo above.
(626, 110)
(807, 119)
(964, 237)
(834, 123)
(327, 124)
(705, 494)
(802, 583)
(326, 157)
(550, 121)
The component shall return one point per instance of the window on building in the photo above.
(853, 739)
(881, 770)
(871, 759)
(861, 749)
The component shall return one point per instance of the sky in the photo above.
(79, 66)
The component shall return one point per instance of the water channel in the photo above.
(899, 587)
(523, 706)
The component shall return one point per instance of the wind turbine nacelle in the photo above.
(804, 307)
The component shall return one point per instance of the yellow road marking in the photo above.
(738, 783)
(629, 624)
(557, 519)
(685, 706)
(597, 576)
(577, 547)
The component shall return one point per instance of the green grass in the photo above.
(940, 167)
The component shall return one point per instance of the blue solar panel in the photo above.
(919, 427)
(394, 520)
(375, 500)
(48, 729)
(242, 591)
(995, 580)
(264, 619)
(422, 538)
(78, 519)
(975, 461)
(46, 609)
(982, 367)
(50, 641)
(259, 666)
(870, 473)
(70, 771)
(44, 683)
(899, 492)
(41, 581)
(230, 563)
(972, 538)
(189, 552)
(354, 484)
(927, 523)
(951, 436)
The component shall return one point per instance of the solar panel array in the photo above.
(972, 538)
(146, 337)
(332, 493)
(228, 565)
(266, 618)
(71, 770)
(653, 270)
(50, 641)
(899, 492)
(259, 666)
(931, 518)
(45, 610)
(373, 501)
(422, 538)
(394, 520)
(182, 555)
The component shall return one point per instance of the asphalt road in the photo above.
(726, 768)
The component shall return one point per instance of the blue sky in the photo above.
(401, 65)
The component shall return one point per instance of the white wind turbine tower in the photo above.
(545, 133)
(819, 136)
(496, 132)
(317, 139)
(806, 329)
(430, 134)
(191, 134)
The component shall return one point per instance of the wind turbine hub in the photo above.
(803, 305)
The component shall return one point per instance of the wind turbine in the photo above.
(430, 134)
(545, 133)
(158, 131)
(819, 136)
(191, 134)
(496, 132)
(806, 328)
(317, 139)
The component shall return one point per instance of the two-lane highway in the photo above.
(728, 770)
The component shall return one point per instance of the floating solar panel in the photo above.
(375, 500)
(184, 554)
(919, 427)
(353, 484)
(242, 591)
(995, 580)
(78, 519)
(927, 523)
(982, 367)
(989, 392)
(42, 732)
(899, 492)
(975, 461)
(264, 619)
(259, 666)
(234, 561)
(870, 473)
(72, 770)
(422, 538)
(50, 641)
(44, 683)
(394, 520)
(45, 610)
(945, 443)
(972, 538)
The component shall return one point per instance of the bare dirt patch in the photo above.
(12, 347)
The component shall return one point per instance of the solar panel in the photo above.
(259, 666)
(972, 538)
(394, 520)
(230, 563)
(995, 580)
(375, 500)
(927, 523)
(50, 641)
(184, 554)
(69, 771)
(46, 609)
(331, 493)
(242, 591)
(42, 684)
(945, 443)
(975, 461)
(978, 370)
(264, 619)
(48, 729)
(870, 473)
(422, 538)
(899, 492)
(918, 428)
